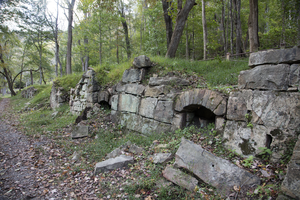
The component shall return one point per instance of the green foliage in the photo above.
(248, 161)
(19, 84)
(265, 152)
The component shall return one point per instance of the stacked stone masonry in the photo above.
(263, 112)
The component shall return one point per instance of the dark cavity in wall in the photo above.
(268, 141)
(104, 104)
(199, 116)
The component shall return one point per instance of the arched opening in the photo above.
(199, 116)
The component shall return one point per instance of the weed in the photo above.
(265, 153)
(248, 161)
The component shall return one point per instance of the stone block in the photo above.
(156, 91)
(142, 61)
(213, 170)
(147, 107)
(294, 79)
(179, 121)
(180, 178)
(164, 111)
(161, 157)
(133, 75)
(92, 97)
(155, 81)
(113, 163)
(265, 77)
(273, 56)
(219, 124)
(90, 74)
(80, 132)
(93, 88)
(114, 101)
(103, 96)
(243, 139)
(239, 103)
(135, 89)
(291, 183)
(277, 109)
(128, 103)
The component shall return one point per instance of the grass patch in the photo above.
(41, 121)
(68, 81)
(215, 72)
(43, 94)
(111, 73)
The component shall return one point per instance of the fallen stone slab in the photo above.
(180, 178)
(127, 147)
(161, 157)
(80, 132)
(291, 183)
(213, 170)
(113, 163)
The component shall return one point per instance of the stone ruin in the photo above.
(28, 93)
(263, 112)
(87, 93)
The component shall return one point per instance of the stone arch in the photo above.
(200, 106)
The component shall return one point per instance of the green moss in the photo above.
(246, 147)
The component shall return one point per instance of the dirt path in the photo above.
(20, 165)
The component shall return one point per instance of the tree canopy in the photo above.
(114, 31)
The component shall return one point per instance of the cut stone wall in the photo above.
(86, 93)
(263, 112)
(58, 96)
(156, 107)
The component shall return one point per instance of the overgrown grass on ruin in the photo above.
(215, 72)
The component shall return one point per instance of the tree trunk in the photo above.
(187, 55)
(118, 47)
(40, 67)
(22, 65)
(9, 82)
(100, 40)
(125, 28)
(253, 25)
(231, 27)
(282, 44)
(179, 26)
(6, 74)
(223, 27)
(238, 28)
(87, 58)
(31, 77)
(204, 31)
(70, 37)
(168, 20)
